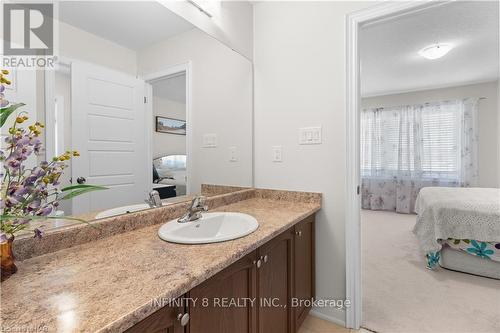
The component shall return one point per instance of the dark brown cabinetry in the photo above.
(223, 302)
(165, 320)
(303, 267)
(253, 295)
(275, 284)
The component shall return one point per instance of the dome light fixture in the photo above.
(435, 51)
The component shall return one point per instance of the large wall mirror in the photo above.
(149, 101)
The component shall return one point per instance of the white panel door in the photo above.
(108, 129)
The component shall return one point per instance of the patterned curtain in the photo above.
(408, 147)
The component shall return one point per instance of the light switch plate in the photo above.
(310, 135)
(210, 140)
(277, 153)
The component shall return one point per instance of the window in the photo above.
(421, 140)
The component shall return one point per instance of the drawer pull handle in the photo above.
(259, 263)
(183, 318)
(299, 233)
(266, 258)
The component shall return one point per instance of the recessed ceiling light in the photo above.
(435, 51)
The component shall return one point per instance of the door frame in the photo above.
(149, 77)
(49, 86)
(354, 21)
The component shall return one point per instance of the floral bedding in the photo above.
(460, 214)
(485, 250)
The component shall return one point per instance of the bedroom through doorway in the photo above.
(168, 101)
(429, 167)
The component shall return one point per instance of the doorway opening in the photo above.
(168, 102)
(408, 116)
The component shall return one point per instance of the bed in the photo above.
(459, 228)
(171, 170)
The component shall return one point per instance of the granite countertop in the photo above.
(108, 285)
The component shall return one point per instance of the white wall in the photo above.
(232, 24)
(221, 103)
(78, 44)
(300, 81)
(165, 143)
(488, 118)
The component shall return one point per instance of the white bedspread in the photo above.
(460, 213)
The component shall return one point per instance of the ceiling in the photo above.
(132, 24)
(172, 88)
(389, 49)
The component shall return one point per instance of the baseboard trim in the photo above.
(327, 318)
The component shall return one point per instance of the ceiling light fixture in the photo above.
(435, 51)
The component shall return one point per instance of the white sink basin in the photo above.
(211, 228)
(122, 210)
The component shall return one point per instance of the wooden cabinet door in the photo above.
(162, 321)
(237, 282)
(274, 279)
(303, 266)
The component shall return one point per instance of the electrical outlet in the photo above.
(277, 153)
(232, 154)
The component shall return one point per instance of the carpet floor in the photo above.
(401, 295)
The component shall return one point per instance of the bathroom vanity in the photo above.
(252, 295)
(117, 275)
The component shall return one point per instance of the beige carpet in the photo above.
(401, 295)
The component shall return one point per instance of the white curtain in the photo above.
(408, 147)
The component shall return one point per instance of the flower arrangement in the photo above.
(28, 194)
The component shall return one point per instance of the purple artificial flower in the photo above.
(38, 233)
(11, 201)
(45, 211)
(3, 102)
(34, 205)
(37, 146)
(12, 163)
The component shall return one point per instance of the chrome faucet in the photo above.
(154, 199)
(194, 211)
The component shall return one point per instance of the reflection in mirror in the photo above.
(169, 139)
(170, 170)
(155, 104)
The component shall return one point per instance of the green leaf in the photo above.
(74, 187)
(79, 191)
(6, 112)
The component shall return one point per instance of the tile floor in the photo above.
(316, 325)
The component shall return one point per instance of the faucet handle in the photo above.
(198, 201)
(154, 198)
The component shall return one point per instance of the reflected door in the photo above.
(108, 129)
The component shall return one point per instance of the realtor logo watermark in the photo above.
(28, 34)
